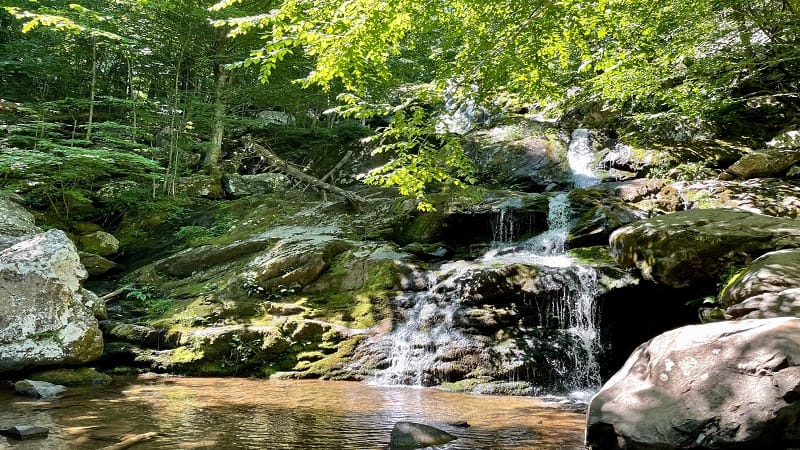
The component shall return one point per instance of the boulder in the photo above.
(16, 223)
(768, 196)
(199, 186)
(692, 248)
(72, 377)
(769, 287)
(44, 319)
(99, 243)
(95, 264)
(238, 186)
(417, 435)
(770, 162)
(38, 389)
(718, 385)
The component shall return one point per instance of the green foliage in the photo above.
(421, 157)
(148, 301)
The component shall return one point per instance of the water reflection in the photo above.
(233, 413)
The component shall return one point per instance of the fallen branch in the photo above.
(287, 169)
(131, 441)
(115, 293)
(338, 165)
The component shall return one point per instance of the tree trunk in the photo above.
(92, 89)
(211, 162)
(275, 161)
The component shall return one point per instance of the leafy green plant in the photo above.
(243, 353)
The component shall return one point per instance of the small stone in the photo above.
(23, 432)
(417, 435)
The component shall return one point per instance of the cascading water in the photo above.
(438, 338)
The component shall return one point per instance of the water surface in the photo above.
(236, 413)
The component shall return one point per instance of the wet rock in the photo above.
(694, 247)
(719, 385)
(45, 319)
(417, 435)
(16, 223)
(38, 389)
(238, 186)
(769, 287)
(100, 243)
(95, 264)
(24, 432)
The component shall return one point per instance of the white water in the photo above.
(429, 330)
(581, 160)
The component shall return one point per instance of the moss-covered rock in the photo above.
(695, 247)
(99, 242)
(72, 377)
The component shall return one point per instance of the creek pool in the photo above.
(240, 413)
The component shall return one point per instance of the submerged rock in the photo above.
(693, 247)
(719, 385)
(417, 435)
(44, 318)
(38, 389)
(23, 432)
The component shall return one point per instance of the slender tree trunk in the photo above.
(172, 165)
(92, 88)
(211, 162)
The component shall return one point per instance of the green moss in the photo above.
(467, 385)
(592, 255)
(72, 377)
(333, 366)
(186, 355)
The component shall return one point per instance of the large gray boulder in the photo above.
(694, 247)
(16, 223)
(44, 316)
(769, 287)
(719, 385)
(237, 186)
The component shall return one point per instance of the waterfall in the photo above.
(557, 338)
(581, 159)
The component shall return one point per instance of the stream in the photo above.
(240, 413)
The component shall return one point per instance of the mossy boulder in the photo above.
(72, 377)
(770, 162)
(769, 287)
(99, 243)
(693, 248)
(768, 196)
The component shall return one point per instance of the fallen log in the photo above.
(283, 166)
(131, 441)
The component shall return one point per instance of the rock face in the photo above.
(16, 223)
(44, 318)
(693, 247)
(719, 385)
(769, 287)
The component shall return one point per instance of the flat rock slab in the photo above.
(24, 432)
